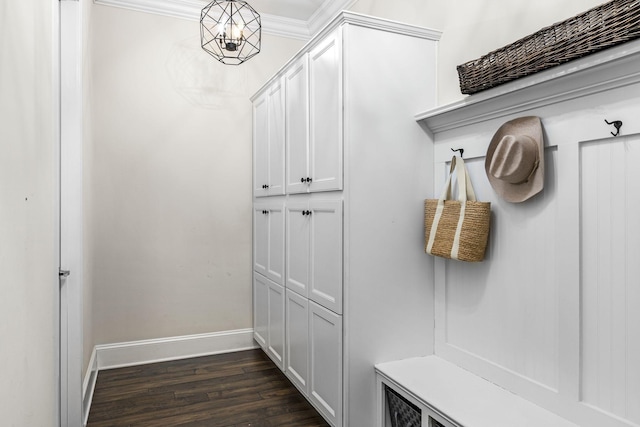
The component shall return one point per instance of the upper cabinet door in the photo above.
(260, 145)
(297, 127)
(325, 112)
(269, 142)
(276, 139)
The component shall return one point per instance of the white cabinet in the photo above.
(314, 119)
(269, 141)
(314, 251)
(269, 318)
(325, 362)
(297, 340)
(354, 231)
(268, 240)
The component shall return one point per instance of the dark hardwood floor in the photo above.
(228, 390)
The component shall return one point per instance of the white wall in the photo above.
(28, 263)
(472, 28)
(170, 177)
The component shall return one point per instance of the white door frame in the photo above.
(68, 28)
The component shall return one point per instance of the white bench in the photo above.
(455, 397)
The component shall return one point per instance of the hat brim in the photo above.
(517, 193)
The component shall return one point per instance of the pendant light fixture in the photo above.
(230, 31)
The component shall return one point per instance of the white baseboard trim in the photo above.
(88, 385)
(118, 355)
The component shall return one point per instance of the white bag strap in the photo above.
(465, 193)
(465, 188)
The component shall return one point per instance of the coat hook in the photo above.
(461, 150)
(617, 124)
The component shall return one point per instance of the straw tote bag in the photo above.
(457, 229)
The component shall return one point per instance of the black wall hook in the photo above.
(461, 150)
(617, 124)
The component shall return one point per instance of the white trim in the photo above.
(326, 12)
(172, 348)
(55, 108)
(609, 69)
(184, 9)
(346, 17)
(89, 385)
(285, 27)
(271, 24)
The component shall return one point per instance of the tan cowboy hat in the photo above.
(515, 159)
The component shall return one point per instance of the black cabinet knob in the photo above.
(308, 179)
(301, 179)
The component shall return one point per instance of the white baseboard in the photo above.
(109, 356)
(172, 348)
(88, 385)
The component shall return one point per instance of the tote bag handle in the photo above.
(465, 188)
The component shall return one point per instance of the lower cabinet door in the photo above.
(297, 342)
(260, 310)
(325, 362)
(275, 342)
(268, 317)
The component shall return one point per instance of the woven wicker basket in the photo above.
(603, 26)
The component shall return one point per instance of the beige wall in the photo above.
(170, 177)
(472, 28)
(28, 262)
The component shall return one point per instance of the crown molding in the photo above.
(271, 24)
(326, 12)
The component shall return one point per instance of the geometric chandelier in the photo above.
(230, 31)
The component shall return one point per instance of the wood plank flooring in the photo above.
(229, 390)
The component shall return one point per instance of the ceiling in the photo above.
(299, 19)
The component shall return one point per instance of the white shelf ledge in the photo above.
(609, 69)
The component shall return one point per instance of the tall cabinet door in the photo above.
(269, 142)
(325, 284)
(297, 340)
(268, 240)
(298, 226)
(325, 111)
(260, 238)
(276, 139)
(297, 127)
(325, 362)
(275, 264)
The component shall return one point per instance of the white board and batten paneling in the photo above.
(552, 313)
